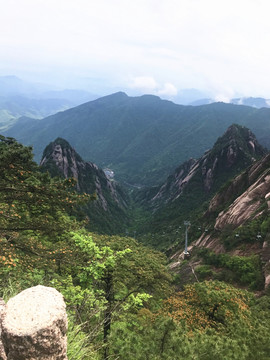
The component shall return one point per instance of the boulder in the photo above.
(35, 325)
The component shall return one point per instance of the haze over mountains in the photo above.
(35, 100)
(38, 100)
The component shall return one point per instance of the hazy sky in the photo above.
(159, 46)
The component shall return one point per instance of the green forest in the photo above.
(122, 300)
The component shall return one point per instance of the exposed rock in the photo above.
(174, 185)
(60, 159)
(211, 243)
(35, 325)
(246, 205)
(240, 184)
(233, 152)
(2, 313)
(267, 281)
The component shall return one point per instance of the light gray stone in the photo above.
(35, 325)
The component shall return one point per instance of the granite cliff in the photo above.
(108, 211)
(233, 152)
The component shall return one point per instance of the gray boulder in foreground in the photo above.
(34, 325)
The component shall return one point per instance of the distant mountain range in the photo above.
(20, 98)
(141, 139)
(256, 102)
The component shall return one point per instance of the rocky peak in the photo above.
(63, 158)
(60, 159)
(241, 137)
(232, 153)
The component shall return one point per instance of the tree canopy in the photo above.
(30, 199)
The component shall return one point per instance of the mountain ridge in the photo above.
(141, 138)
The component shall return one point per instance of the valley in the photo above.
(102, 219)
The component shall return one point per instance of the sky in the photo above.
(145, 46)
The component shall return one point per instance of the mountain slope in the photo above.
(107, 214)
(238, 223)
(194, 182)
(14, 107)
(243, 200)
(141, 138)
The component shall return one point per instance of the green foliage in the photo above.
(120, 299)
(79, 344)
(247, 233)
(29, 199)
(235, 330)
(204, 272)
(149, 272)
(244, 270)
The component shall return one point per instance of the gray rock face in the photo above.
(35, 324)
(90, 179)
(245, 207)
(233, 152)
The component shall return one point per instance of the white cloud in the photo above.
(168, 90)
(187, 43)
(144, 83)
(147, 84)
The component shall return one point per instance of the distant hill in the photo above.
(14, 107)
(12, 85)
(21, 98)
(257, 102)
(107, 214)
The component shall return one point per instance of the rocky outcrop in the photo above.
(34, 325)
(64, 161)
(243, 199)
(246, 206)
(232, 153)
(110, 203)
(59, 158)
(243, 196)
(175, 183)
